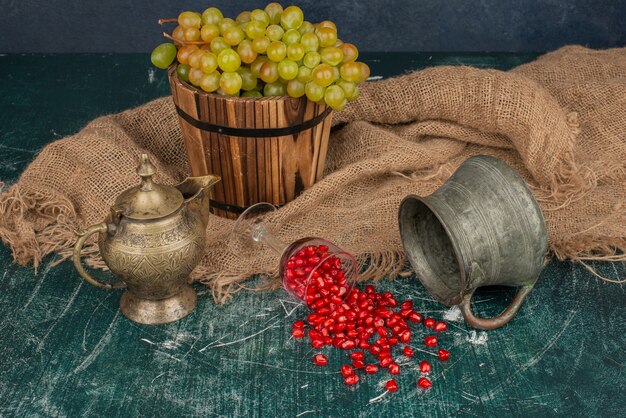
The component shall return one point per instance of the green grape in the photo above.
(306, 27)
(234, 35)
(351, 71)
(287, 69)
(295, 52)
(276, 51)
(255, 29)
(182, 70)
(292, 36)
(243, 17)
(292, 17)
(208, 62)
(347, 87)
(184, 52)
(331, 55)
(230, 83)
(310, 42)
(334, 96)
(304, 74)
(194, 58)
(252, 93)
(295, 88)
(274, 11)
(274, 89)
(190, 20)
(210, 82)
(350, 52)
(195, 76)
(260, 45)
(260, 16)
(209, 32)
(314, 92)
(312, 59)
(191, 34)
(246, 52)
(212, 15)
(228, 60)
(248, 80)
(327, 36)
(256, 65)
(323, 75)
(274, 32)
(163, 55)
(225, 24)
(218, 45)
(268, 72)
(365, 72)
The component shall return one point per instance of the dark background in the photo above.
(374, 25)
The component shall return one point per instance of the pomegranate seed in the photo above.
(385, 362)
(297, 333)
(415, 317)
(320, 359)
(391, 385)
(347, 345)
(444, 355)
(430, 341)
(346, 370)
(405, 336)
(429, 322)
(298, 324)
(364, 344)
(371, 368)
(424, 383)
(323, 248)
(425, 367)
(351, 380)
(408, 351)
(440, 326)
(358, 364)
(369, 289)
(357, 355)
(393, 341)
(406, 305)
(394, 368)
(404, 313)
(317, 343)
(375, 350)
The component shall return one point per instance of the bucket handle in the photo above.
(498, 321)
(83, 235)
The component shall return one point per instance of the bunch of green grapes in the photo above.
(270, 52)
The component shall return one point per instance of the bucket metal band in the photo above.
(253, 132)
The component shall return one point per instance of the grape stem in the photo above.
(178, 41)
(171, 20)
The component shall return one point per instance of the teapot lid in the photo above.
(148, 200)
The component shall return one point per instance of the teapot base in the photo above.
(158, 312)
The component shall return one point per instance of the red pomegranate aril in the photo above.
(397, 329)
(298, 324)
(405, 336)
(324, 311)
(320, 359)
(392, 302)
(297, 333)
(408, 351)
(429, 322)
(317, 343)
(371, 368)
(425, 367)
(391, 322)
(375, 350)
(347, 370)
(351, 380)
(392, 341)
(347, 345)
(391, 385)
(444, 355)
(358, 364)
(369, 289)
(415, 317)
(430, 341)
(424, 383)
(440, 326)
(385, 362)
(404, 313)
(364, 344)
(352, 334)
(357, 355)
(323, 248)
(394, 368)
(382, 331)
(406, 305)
(379, 322)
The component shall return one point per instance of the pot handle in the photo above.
(83, 235)
(498, 321)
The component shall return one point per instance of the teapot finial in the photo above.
(145, 170)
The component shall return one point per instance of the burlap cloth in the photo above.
(560, 121)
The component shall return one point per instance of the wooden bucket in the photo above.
(266, 149)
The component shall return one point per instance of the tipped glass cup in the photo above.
(312, 269)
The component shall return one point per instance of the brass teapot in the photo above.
(153, 238)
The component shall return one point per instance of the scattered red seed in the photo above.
(424, 383)
(444, 355)
(440, 326)
(297, 333)
(406, 305)
(429, 322)
(298, 324)
(415, 317)
(346, 370)
(391, 385)
(371, 368)
(385, 361)
(425, 367)
(358, 364)
(430, 341)
(351, 380)
(408, 351)
(394, 368)
(320, 359)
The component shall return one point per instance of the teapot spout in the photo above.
(195, 191)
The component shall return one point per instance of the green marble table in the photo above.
(65, 350)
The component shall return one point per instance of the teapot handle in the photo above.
(83, 235)
(498, 321)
